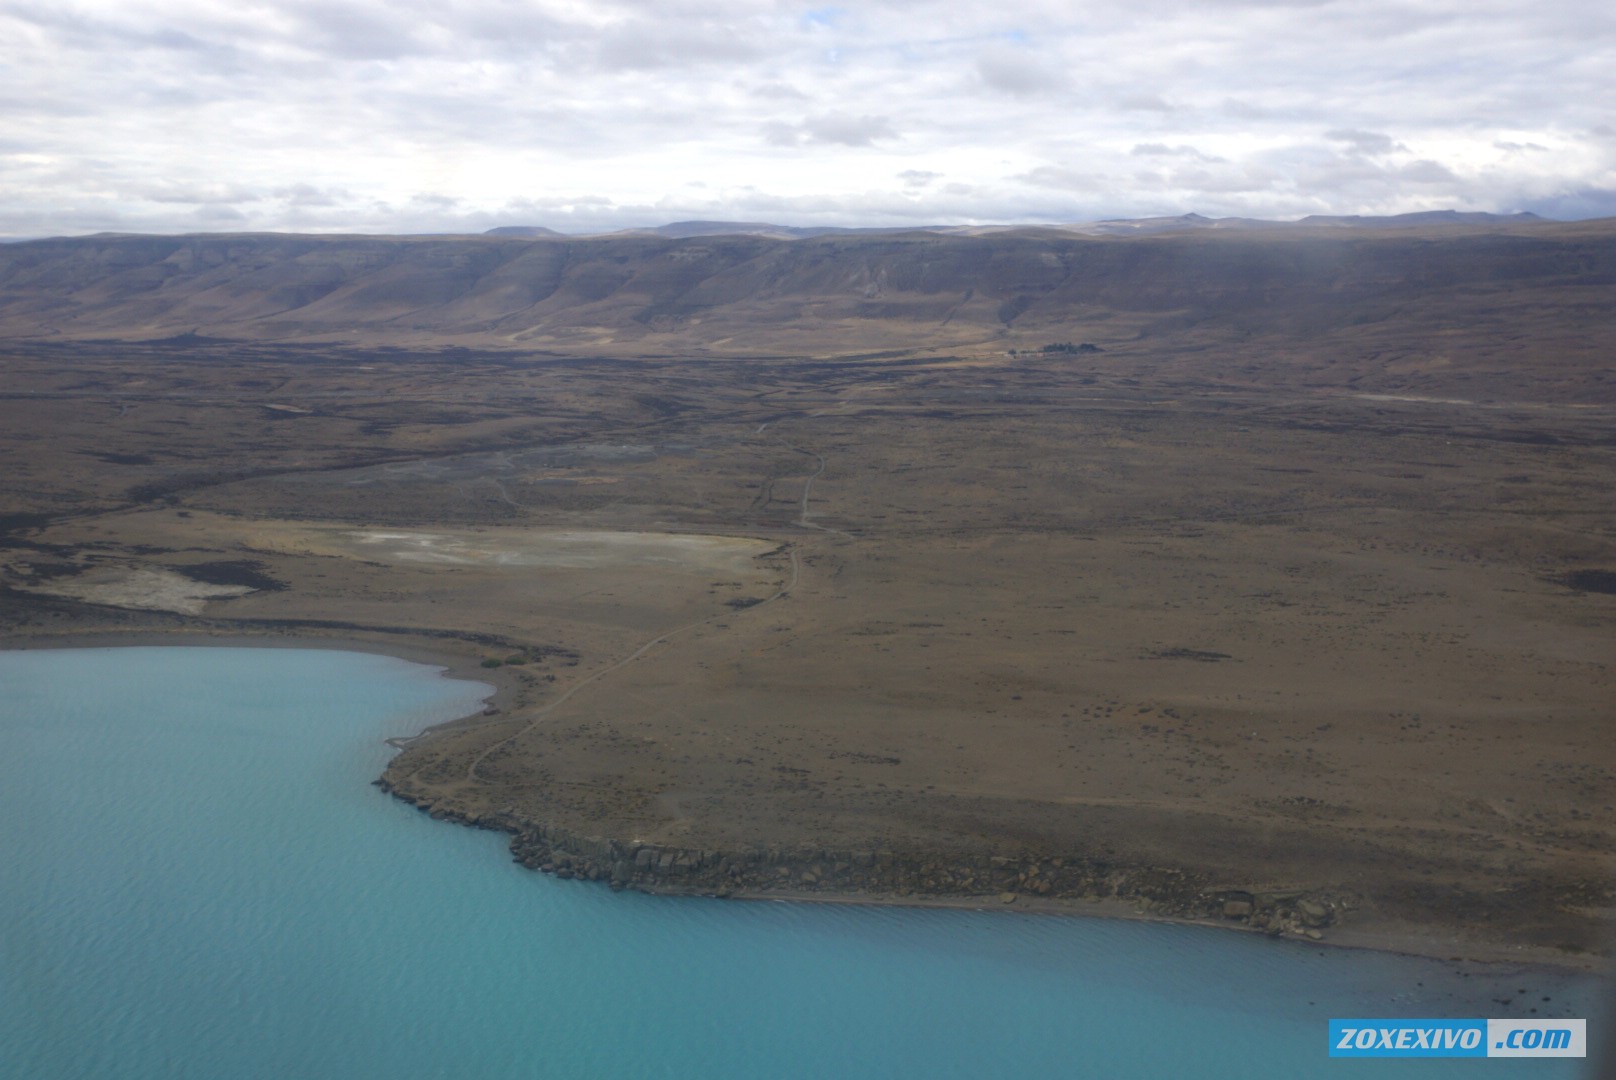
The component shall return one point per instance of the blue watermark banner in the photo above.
(1404, 1038)
(1408, 1038)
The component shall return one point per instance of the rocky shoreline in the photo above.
(1449, 925)
(887, 877)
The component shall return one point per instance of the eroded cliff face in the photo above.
(751, 295)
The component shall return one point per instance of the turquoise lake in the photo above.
(200, 881)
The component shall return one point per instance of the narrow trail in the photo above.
(808, 484)
(807, 490)
(784, 590)
(499, 485)
(791, 583)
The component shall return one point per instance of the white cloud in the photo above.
(1427, 172)
(1018, 72)
(414, 115)
(830, 129)
(1163, 150)
(779, 91)
(1064, 179)
(1367, 143)
(847, 130)
(1143, 103)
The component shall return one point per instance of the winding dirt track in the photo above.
(807, 489)
(784, 590)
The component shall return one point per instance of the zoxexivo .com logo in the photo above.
(1458, 1038)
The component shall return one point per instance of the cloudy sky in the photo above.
(588, 115)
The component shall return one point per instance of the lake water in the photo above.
(199, 881)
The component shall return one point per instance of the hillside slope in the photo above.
(1482, 300)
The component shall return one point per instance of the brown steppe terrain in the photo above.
(1303, 626)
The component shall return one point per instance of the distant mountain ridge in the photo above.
(1428, 217)
(1114, 227)
(1415, 305)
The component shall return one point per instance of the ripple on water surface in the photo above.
(201, 882)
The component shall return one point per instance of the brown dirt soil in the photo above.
(1102, 630)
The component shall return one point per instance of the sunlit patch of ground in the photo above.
(536, 548)
(147, 590)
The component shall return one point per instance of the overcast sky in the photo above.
(588, 115)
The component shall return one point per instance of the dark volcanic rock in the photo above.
(1161, 891)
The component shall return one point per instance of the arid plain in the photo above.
(1297, 617)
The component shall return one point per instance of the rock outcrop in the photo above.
(887, 875)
